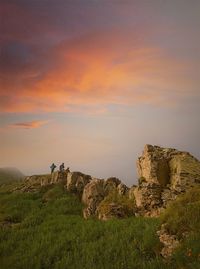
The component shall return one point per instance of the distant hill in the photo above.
(9, 174)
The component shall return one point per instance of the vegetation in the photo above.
(114, 197)
(182, 218)
(9, 174)
(141, 180)
(46, 230)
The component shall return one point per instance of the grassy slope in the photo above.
(183, 217)
(46, 230)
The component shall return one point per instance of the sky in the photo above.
(90, 82)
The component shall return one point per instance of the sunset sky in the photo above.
(90, 82)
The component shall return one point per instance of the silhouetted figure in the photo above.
(62, 167)
(67, 170)
(53, 166)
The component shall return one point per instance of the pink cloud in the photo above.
(113, 67)
(29, 124)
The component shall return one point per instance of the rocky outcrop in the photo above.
(93, 194)
(163, 173)
(44, 180)
(148, 198)
(59, 177)
(170, 242)
(96, 192)
(168, 166)
(76, 182)
(122, 189)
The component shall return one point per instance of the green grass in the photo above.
(182, 217)
(46, 230)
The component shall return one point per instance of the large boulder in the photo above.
(163, 173)
(47, 179)
(42, 180)
(93, 194)
(148, 198)
(76, 182)
(96, 191)
(184, 171)
(166, 166)
(110, 185)
(59, 177)
(122, 189)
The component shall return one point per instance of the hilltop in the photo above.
(9, 174)
(72, 220)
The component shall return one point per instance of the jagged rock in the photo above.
(43, 180)
(93, 194)
(59, 177)
(131, 192)
(114, 180)
(168, 166)
(122, 189)
(163, 174)
(170, 242)
(148, 198)
(96, 191)
(111, 184)
(76, 182)
(39, 179)
(184, 171)
(168, 195)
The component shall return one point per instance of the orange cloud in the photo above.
(101, 68)
(29, 124)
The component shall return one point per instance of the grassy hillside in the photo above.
(182, 218)
(9, 174)
(46, 230)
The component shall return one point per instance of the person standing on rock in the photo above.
(67, 170)
(53, 166)
(62, 167)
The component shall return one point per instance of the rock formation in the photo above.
(76, 182)
(163, 174)
(93, 194)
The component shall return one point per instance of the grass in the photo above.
(183, 215)
(182, 218)
(46, 230)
